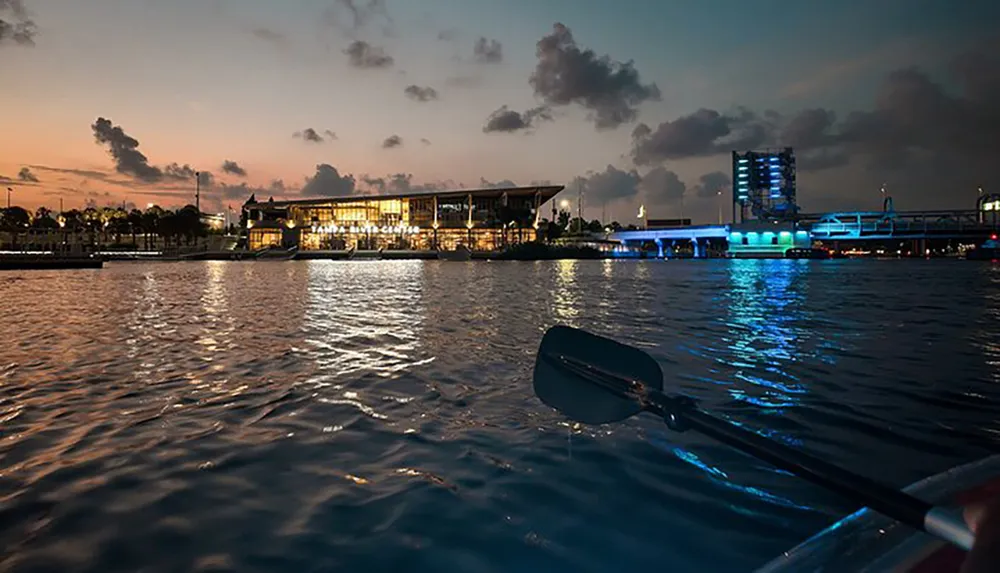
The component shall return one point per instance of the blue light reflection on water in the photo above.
(765, 299)
(367, 416)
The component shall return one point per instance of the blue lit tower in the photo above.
(764, 185)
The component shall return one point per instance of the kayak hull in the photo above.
(867, 541)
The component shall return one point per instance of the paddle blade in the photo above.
(592, 379)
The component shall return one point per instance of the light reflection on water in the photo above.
(766, 299)
(379, 415)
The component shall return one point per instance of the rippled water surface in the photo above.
(376, 416)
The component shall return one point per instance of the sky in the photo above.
(632, 102)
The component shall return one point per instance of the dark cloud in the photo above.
(566, 73)
(710, 184)
(353, 15)
(609, 185)
(125, 151)
(919, 136)
(418, 93)
(448, 35)
(484, 183)
(703, 133)
(233, 168)
(661, 186)
(15, 24)
(185, 172)
(243, 191)
(425, 141)
(269, 35)
(25, 175)
(402, 183)
(310, 135)
(179, 172)
(392, 141)
(328, 182)
(506, 120)
(487, 51)
(363, 55)
(90, 173)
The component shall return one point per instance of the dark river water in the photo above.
(379, 416)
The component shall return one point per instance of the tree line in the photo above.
(109, 223)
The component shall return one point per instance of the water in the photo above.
(373, 416)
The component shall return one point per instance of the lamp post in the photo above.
(8, 198)
(197, 191)
(719, 194)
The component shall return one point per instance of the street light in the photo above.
(564, 204)
(8, 198)
(719, 194)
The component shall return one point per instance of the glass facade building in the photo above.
(479, 219)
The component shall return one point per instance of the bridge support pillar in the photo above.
(659, 248)
(699, 249)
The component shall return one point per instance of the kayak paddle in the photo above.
(595, 380)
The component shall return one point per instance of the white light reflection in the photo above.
(990, 344)
(363, 324)
(566, 299)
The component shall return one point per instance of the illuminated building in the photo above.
(988, 207)
(480, 219)
(764, 185)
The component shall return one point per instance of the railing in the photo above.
(911, 224)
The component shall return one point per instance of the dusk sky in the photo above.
(638, 101)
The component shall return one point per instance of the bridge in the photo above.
(970, 225)
(697, 235)
(902, 225)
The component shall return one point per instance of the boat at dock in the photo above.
(807, 253)
(461, 253)
(988, 251)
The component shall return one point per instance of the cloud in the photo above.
(243, 191)
(703, 133)
(271, 36)
(363, 55)
(661, 185)
(124, 149)
(502, 184)
(565, 73)
(487, 51)
(19, 29)
(402, 184)
(353, 15)
(505, 120)
(233, 168)
(918, 135)
(179, 172)
(392, 141)
(25, 175)
(310, 135)
(81, 172)
(609, 185)
(328, 182)
(447, 35)
(425, 141)
(710, 184)
(418, 93)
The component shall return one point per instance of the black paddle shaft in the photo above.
(680, 413)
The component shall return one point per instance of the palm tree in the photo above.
(134, 220)
(151, 224)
